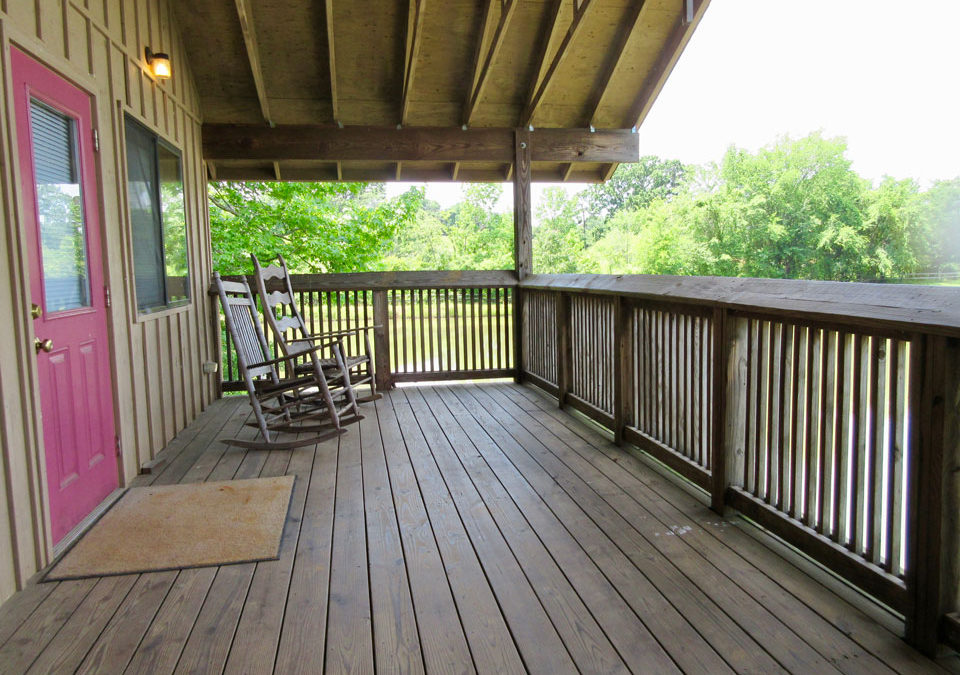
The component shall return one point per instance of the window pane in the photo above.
(174, 225)
(59, 209)
(145, 217)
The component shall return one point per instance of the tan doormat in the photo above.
(175, 526)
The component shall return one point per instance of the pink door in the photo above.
(62, 226)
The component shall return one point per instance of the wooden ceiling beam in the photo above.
(625, 30)
(245, 14)
(682, 30)
(481, 67)
(333, 63)
(414, 42)
(540, 88)
(389, 144)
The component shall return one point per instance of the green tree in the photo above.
(558, 241)
(632, 186)
(318, 227)
(940, 224)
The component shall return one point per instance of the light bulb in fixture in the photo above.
(159, 63)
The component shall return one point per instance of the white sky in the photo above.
(882, 73)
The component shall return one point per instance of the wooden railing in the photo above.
(829, 413)
(428, 325)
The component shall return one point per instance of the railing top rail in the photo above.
(906, 307)
(376, 281)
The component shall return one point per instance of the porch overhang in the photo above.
(399, 76)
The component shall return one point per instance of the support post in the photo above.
(522, 236)
(722, 368)
(564, 354)
(927, 500)
(381, 341)
(622, 365)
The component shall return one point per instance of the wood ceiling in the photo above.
(390, 66)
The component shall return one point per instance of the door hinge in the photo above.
(117, 439)
(96, 141)
(106, 295)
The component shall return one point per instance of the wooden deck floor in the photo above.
(459, 528)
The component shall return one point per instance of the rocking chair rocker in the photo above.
(303, 403)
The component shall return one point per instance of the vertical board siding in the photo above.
(158, 359)
(827, 433)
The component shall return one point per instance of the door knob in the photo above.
(43, 345)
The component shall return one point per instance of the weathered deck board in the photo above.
(465, 528)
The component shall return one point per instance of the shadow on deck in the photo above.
(459, 528)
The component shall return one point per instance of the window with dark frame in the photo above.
(158, 223)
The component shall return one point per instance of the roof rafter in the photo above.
(626, 29)
(333, 63)
(414, 42)
(245, 14)
(481, 67)
(679, 35)
(543, 83)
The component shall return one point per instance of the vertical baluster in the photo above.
(875, 449)
(794, 460)
(749, 454)
(768, 488)
(896, 458)
(822, 408)
(855, 542)
(450, 349)
(395, 336)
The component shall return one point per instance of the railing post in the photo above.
(381, 341)
(724, 369)
(930, 571)
(522, 237)
(563, 356)
(622, 365)
(218, 341)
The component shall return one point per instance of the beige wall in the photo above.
(159, 385)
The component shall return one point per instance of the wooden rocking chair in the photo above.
(283, 315)
(299, 403)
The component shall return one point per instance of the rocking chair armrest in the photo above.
(281, 359)
(318, 344)
(341, 333)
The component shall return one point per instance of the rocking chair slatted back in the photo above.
(279, 308)
(243, 323)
